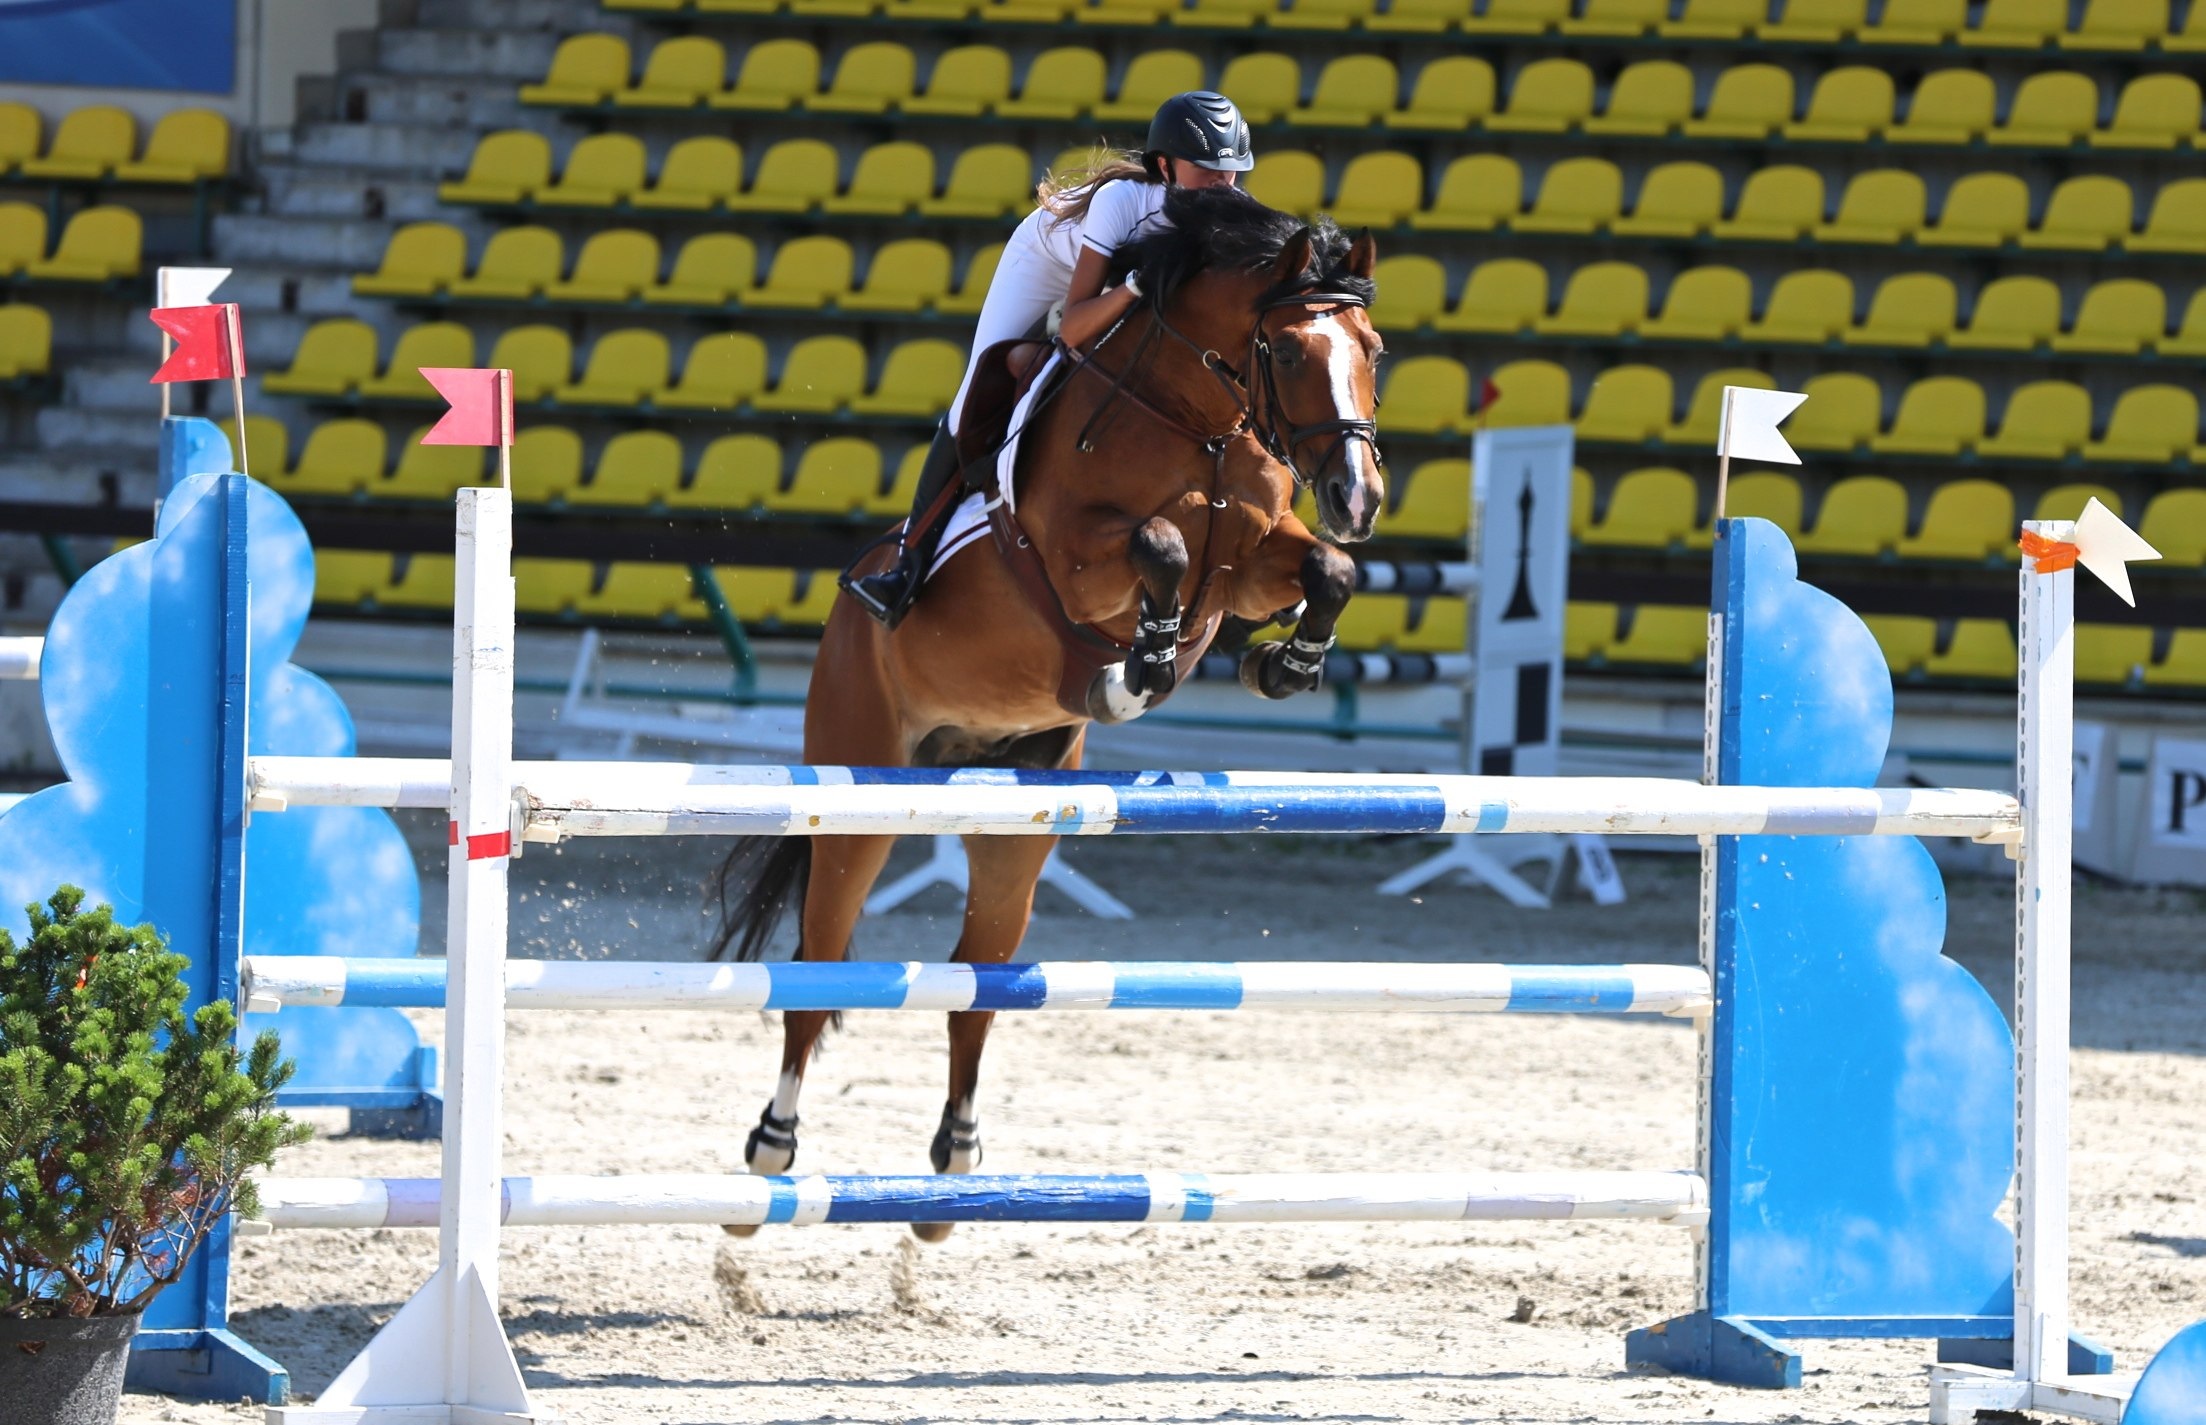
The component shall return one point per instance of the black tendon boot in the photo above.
(888, 595)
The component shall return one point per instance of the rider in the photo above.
(1057, 259)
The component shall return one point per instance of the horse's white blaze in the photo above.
(1340, 365)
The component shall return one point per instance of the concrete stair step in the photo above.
(484, 56)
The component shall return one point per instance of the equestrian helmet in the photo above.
(1205, 129)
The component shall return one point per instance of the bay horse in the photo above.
(1153, 498)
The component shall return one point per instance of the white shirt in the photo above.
(1120, 211)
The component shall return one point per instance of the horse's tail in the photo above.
(761, 879)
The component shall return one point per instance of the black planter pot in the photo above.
(64, 1372)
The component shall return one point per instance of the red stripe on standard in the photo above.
(483, 847)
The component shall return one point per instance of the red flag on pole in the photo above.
(482, 405)
(208, 343)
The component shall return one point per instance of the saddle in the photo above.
(1001, 379)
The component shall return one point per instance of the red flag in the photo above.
(1488, 393)
(208, 343)
(482, 405)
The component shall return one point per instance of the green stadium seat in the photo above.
(1881, 206)
(2016, 24)
(624, 367)
(1969, 520)
(2175, 524)
(186, 146)
(1916, 22)
(1550, 96)
(585, 70)
(2066, 502)
(1379, 190)
(1848, 105)
(2051, 109)
(26, 341)
(775, 75)
(347, 578)
(1938, 415)
(22, 237)
(1602, 299)
(807, 273)
(736, 472)
(1061, 84)
(2150, 425)
(1948, 106)
(986, 181)
(2177, 222)
(2113, 655)
(1808, 307)
(1980, 648)
(1577, 196)
(1715, 20)
(1435, 502)
(1663, 635)
(612, 267)
(871, 78)
(907, 275)
(1705, 410)
(793, 177)
(1650, 99)
(1413, 289)
(1703, 304)
(603, 170)
(818, 377)
(267, 446)
(517, 263)
(681, 73)
(720, 373)
(506, 167)
(2044, 420)
(1515, 17)
(1588, 630)
(1820, 22)
(710, 270)
(891, 179)
(550, 586)
(1620, 19)
(547, 464)
(540, 357)
(1152, 76)
(1676, 200)
(89, 143)
(1526, 393)
(1427, 395)
(1502, 295)
(1419, 17)
(1289, 181)
(430, 344)
(2012, 314)
(1478, 192)
(1981, 210)
(636, 469)
(1748, 101)
(1776, 204)
(420, 260)
(966, 82)
(98, 245)
(20, 132)
(1914, 309)
(918, 378)
(1906, 640)
(2119, 317)
(2156, 111)
(334, 356)
(1452, 93)
(835, 476)
(2118, 25)
(1353, 91)
(979, 271)
(1843, 410)
(1862, 515)
(1627, 405)
(430, 472)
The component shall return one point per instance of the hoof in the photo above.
(1280, 670)
(1111, 701)
(740, 1229)
(932, 1231)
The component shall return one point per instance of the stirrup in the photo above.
(887, 605)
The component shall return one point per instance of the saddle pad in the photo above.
(968, 523)
(1007, 459)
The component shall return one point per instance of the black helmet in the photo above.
(1203, 128)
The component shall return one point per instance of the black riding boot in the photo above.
(888, 595)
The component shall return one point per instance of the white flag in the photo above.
(187, 286)
(1749, 424)
(2105, 546)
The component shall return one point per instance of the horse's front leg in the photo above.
(1159, 555)
(1296, 664)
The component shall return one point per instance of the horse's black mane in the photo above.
(1226, 229)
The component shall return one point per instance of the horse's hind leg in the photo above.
(1296, 663)
(1002, 871)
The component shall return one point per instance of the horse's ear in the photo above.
(1363, 254)
(1294, 258)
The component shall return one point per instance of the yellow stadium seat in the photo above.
(897, 498)
(1502, 295)
(918, 379)
(2189, 339)
(20, 131)
(1353, 91)
(1061, 84)
(1419, 17)
(1705, 410)
(98, 245)
(890, 179)
(834, 477)
(346, 578)
(2051, 109)
(1910, 309)
(980, 269)
(1748, 101)
(1265, 85)
(986, 181)
(1808, 307)
(775, 75)
(870, 79)
(1478, 192)
(1577, 195)
(2118, 25)
(1758, 494)
(1981, 648)
(1777, 204)
(1426, 395)
(624, 367)
(1289, 181)
(1152, 76)
(340, 457)
(267, 446)
(1412, 291)
(720, 373)
(430, 344)
(807, 273)
(637, 468)
(1603, 299)
(736, 472)
(1622, 19)
(1452, 92)
(1516, 17)
(540, 357)
(1715, 20)
(1435, 503)
(550, 586)
(1917, 22)
(833, 9)
(89, 143)
(695, 177)
(1588, 630)
(507, 166)
(517, 263)
(2191, 39)
(1849, 104)
(420, 260)
(710, 270)
(966, 81)
(818, 377)
(22, 237)
(1321, 14)
(612, 267)
(2119, 317)
(2044, 420)
(1938, 415)
(424, 582)
(547, 464)
(2150, 425)
(2177, 222)
(1843, 410)
(2185, 663)
(2066, 502)
(26, 341)
(1551, 96)
(430, 472)
(1981, 210)
(1215, 14)
(1526, 393)
(1372, 622)
(186, 146)
(2017, 24)
(1650, 99)
(2012, 314)
(2156, 111)
(1948, 106)
(1442, 626)
(333, 357)
(1969, 520)
(1676, 200)
(1906, 640)
(585, 70)
(756, 595)
(1880, 206)
(2111, 654)
(1862, 515)
(1144, 13)
(601, 171)
(1665, 636)
(817, 601)
(1379, 190)
(680, 74)
(1627, 405)
(794, 175)
(1703, 304)
(1816, 22)
(651, 592)
(1581, 501)
(906, 275)
(2175, 524)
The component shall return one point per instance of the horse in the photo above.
(1153, 498)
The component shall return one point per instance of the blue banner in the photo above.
(121, 44)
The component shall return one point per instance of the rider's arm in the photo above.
(1089, 310)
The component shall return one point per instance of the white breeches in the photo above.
(1026, 285)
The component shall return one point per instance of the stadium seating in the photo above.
(101, 244)
(26, 341)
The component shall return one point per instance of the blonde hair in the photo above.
(1067, 191)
